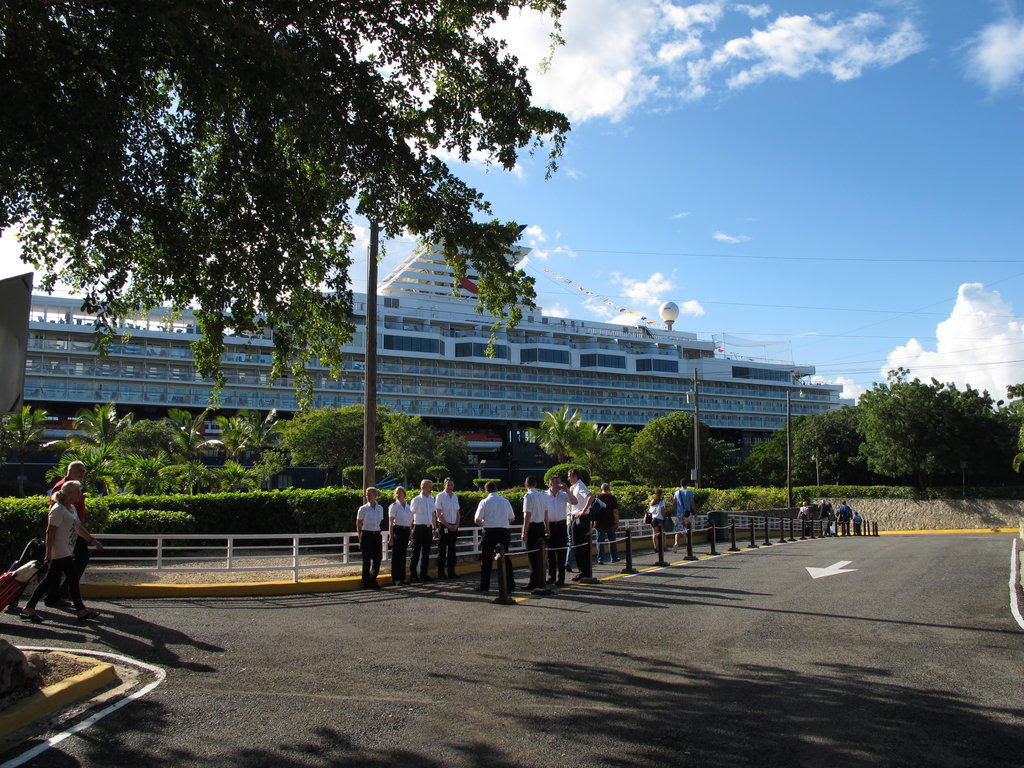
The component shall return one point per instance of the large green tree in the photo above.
(410, 446)
(663, 452)
(148, 438)
(330, 438)
(922, 431)
(212, 154)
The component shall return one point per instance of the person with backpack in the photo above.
(844, 514)
(827, 516)
(686, 509)
(655, 516)
(857, 522)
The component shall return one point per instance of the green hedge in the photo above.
(562, 471)
(333, 509)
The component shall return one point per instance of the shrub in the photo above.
(480, 482)
(438, 473)
(594, 481)
(150, 521)
(562, 470)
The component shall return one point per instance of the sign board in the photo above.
(15, 302)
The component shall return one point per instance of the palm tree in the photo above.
(141, 474)
(100, 467)
(234, 477)
(190, 477)
(557, 433)
(235, 434)
(248, 432)
(592, 447)
(99, 426)
(189, 442)
(24, 430)
(1018, 460)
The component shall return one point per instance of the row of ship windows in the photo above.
(549, 398)
(170, 396)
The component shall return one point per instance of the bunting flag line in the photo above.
(644, 320)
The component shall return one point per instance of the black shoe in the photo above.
(57, 603)
(560, 583)
(615, 559)
(577, 577)
(569, 570)
(35, 618)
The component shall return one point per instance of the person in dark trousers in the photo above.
(685, 512)
(446, 512)
(494, 514)
(857, 522)
(398, 535)
(422, 506)
(558, 498)
(63, 528)
(535, 529)
(579, 512)
(606, 520)
(368, 520)
(827, 516)
(57, 597)
(844, 514)
(804, 518)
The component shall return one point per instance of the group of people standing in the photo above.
(561, 516)
(679, 518)
(836, 522)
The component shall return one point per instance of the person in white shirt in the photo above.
(558, 498)
(579, 513)
(398, 535)
(656, 512)
(494, 514)
(368, 520)
(63, 527)
(535, 529)
(446, 512)
(422, 507)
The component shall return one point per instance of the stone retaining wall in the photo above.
(906, 515)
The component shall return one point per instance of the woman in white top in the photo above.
(398, 536)
(62, 530)
(368, 520)
(656, 513)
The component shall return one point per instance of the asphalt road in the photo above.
(913, 659)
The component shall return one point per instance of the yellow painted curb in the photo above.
(57, 696)
(948, 530)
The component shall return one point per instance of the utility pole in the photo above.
(370, 362)
(789, 448)
(696, 430)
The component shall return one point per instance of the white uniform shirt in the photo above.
(371, 516)
(657, 510)
(557, 506)
(400, 513)
(65, 520)
(536, 503)
(448, 505)
(494, 511)
(422, 509)
(582, 493)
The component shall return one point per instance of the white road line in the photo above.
(1014, 583)
(38, 749)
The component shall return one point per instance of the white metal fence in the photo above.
(294, 552)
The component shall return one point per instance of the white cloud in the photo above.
(555, 310)
(692, 307)
(793, 46)
(650, 291)
(996, 57)
(10, 255)
(724, 238)
(680, 215)
(753, 11)
(958, 355)
(851, 389)
(573, 174)
(619, 54)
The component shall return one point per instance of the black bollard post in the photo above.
(732, 536)
(543, 555)
(875, 528)
(753, 541)
(803, 529)
(782, 531)
(767, 539)
(712, 535)
(689, 543)
(589, 554)
(661, 546)
(629, 553)
(503, 597)
(791, 536)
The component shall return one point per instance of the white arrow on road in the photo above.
(832, 570)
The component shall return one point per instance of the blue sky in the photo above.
(780, 168)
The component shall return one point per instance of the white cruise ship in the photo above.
(433, 362)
